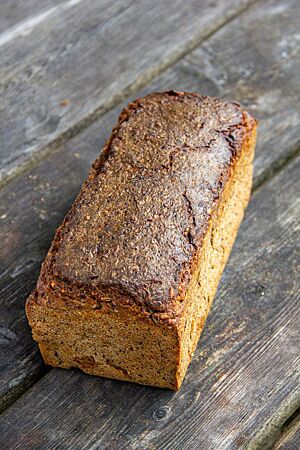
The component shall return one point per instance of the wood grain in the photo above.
(290, 438)
(33, 205)
(16, 15)
(83, 57)
(244, 378)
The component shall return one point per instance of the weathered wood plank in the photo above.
(34, 205)
(242, 382)
(83, 58)
(16, 15)
(290, 438)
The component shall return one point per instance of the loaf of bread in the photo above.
(127, 284)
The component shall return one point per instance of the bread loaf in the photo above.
(129, 279)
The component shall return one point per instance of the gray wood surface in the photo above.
(34, 204)
(17, 15)
(243, 380)
(85, 56)
(290, 439)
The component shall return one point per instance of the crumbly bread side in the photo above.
(125, 341)
(112, 342)
(215, 251)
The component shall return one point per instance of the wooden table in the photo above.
(67, 68)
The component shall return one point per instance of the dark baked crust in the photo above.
(131, 274)
(134, 231)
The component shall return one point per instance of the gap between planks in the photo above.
(288, 436)
(274, 169)
(129, 90)
(90, 136)
(209, 383)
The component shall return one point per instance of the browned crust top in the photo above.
(135, 230)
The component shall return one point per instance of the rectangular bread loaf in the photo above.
(127, 284)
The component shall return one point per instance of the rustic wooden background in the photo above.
(67, 68)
